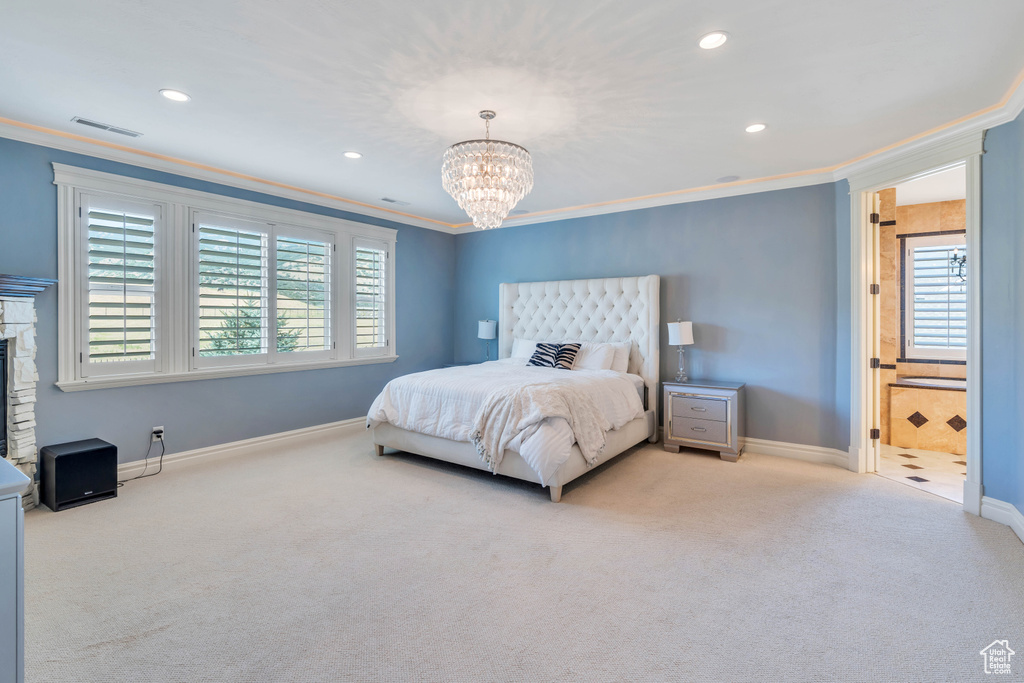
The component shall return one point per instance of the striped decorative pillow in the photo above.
(560, 356)
(566, 356)
(544, 356)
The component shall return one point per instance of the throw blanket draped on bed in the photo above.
(505, 403)
(509, 411)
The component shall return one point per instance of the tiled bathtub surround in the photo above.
(17, 325)
(928, 419)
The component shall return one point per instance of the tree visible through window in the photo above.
(232, 292)
(303, 295)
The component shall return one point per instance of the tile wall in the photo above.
(905, 220)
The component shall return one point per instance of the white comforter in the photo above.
(447, 404)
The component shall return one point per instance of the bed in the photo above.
(602, 310)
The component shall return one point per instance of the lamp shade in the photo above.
(680, 334)
(487, 329)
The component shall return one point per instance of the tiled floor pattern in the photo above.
(939, 473)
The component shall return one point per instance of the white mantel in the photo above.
(17, 326)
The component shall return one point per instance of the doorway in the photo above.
(922, 266)
(960, 156)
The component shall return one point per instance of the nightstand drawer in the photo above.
(700, 408)
(710, 431)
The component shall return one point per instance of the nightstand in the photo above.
(705, 415)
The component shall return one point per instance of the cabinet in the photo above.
(12, 574)
(705, 415)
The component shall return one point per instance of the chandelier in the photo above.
(487, 177)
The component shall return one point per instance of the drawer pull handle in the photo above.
(698, 429)
(699, 410)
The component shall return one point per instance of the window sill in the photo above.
(214, 373)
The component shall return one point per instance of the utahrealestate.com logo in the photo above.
(997, 657)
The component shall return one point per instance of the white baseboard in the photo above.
(797, 451)
(1004, 513)
(129, 469)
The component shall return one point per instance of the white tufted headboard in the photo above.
(613, 309)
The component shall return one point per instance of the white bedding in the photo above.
(445, 403)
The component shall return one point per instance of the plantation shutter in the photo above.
(120, 289)
(371, 333)
(303, 283)
(233, 297)
(939, 300)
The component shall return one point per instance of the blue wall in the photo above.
(756, 274)
(206, 412)
(1002, 309)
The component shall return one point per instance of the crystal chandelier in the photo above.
(487, 177)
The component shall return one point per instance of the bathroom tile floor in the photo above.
(940, 473)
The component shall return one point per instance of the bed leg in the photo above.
(379, 448)
(556, 493)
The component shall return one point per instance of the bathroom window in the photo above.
(935, 288)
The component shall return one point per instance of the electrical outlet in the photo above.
(158, 433)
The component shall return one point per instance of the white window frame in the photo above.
(176, 321)
(910, 350)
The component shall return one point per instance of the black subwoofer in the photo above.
(77, 473)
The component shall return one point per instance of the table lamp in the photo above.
(680, 334)
(487, 329)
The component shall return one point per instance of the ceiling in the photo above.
(942, 186)
(614, 99)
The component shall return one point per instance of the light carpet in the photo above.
(323, 562)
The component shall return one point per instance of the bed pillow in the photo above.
(560, 356)
(523, 348)
(544, 355)
(621, 360)
(566, 356)
(594, 356)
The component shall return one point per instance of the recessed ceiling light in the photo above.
(756, 127)
(353, 155)
(713, 40)
(728, 179)
(175, 95)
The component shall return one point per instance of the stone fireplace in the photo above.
(17, 328)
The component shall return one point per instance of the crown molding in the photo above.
(955, 140)
(68, 142)
(949, 143)
(901, 163)
(697, 194)
(102, 181)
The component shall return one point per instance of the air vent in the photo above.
(106, 127)
(396, 202)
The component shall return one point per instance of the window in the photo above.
(168, 284)
(117, 294)
(370, 297)
(304, 295)
(935, 310)
(233, 290)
